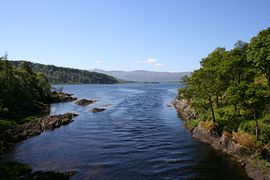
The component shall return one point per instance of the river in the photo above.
(137, 137)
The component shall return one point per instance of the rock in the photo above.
(169, 105)
(223, 142)
(52, 122)
(95, 110)
(227, 143)
(184, 109)
(30, 129)
(85, 102)
(107, 105)
(62, 97)
(47, 175)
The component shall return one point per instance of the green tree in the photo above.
(259, 52)
(252, 98)
(213, 73)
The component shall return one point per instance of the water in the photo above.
(138, 137)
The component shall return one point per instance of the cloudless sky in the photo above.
(158, 35)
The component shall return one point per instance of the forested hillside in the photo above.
(231, 90)
(22, 90)
(62, 75)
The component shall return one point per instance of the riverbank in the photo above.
(10, 137)
(19, 127)
(27, 130)
(230, 143)
(25, 127)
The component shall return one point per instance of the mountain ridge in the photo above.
(144, 75)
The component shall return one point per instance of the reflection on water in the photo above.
(137, 137)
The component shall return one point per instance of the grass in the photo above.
(13, 170)
(244, 139)
(11, 123)
(6, 124)
(29, 119)
(208, 125)
(191, 124)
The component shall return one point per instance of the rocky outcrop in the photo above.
(85, 102)
(242, 154)
(62, 97)
(184, 109)
(95, 110)
(30, 129)
(226, 143)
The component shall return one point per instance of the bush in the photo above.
(244, 139)
(248, 126)
(265, 134)
(191, 124)
(229, 121)
(13, 170)
(6, 124)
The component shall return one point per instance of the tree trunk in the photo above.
(256, 126)
(212, 109)
(217, 100)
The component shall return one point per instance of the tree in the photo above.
(236, 67)
(252, 99)
(199, 87)
(259, 52)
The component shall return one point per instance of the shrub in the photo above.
(13, 170)
(265, 134)
(191, 124)
(6, 124)
(244, 139)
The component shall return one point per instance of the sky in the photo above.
(156, 35)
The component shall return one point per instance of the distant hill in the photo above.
(145, 76)
(62, 75)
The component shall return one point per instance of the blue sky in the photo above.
(158, 35)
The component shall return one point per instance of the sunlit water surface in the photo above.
(138, 137)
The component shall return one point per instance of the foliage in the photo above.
(259, 52)
(229, 88)
(61, 75)
(265, 134)
(6, 124)
(244, 139)
(13, 170)
(191, 124)
(23, 90)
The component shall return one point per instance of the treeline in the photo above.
(22, 90)
(61, 75)
(232, 88)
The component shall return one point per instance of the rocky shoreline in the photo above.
(225, 142)
(27, 130)
(12, 136)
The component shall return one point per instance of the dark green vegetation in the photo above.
(26, 90)
(232, 89)
(61, 75)
(24, 94)
(22, 90)
(13, 170)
